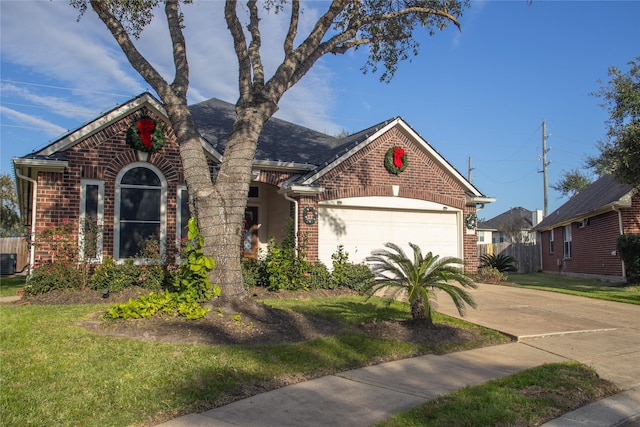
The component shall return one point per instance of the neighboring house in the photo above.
(579, 238)
(513, 226)
(338, 191)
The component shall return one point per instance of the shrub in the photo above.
(285, 265)
(318, 277)
(252, 273)
(113, 276)
(490, 275)
(348, 274)
(65, 270)
(357, 277)
(51, 276)
(502, 263)
(629, 247)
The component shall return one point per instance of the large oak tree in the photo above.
(620, 150)
(387, 28)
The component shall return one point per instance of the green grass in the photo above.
(528, 398)
(577, 286)
(55, 372)
(10, 284)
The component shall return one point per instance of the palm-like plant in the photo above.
(502, 263)
(394, 270)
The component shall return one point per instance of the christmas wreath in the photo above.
(395, 160)
(471, 221)
(309, 219)
(145, 135)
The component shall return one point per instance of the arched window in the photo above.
(141, 199)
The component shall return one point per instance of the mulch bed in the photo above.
(253, 323)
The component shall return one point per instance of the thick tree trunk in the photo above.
(220, 201)
(220, 212)
(421, 311)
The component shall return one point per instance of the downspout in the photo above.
(621, 231)
(295, 216)
(32, 237)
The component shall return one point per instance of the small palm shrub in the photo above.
(419, 277)
(502, 263)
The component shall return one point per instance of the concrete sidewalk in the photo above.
(362, 397)
(550, 328)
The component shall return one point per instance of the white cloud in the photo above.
(28, 121)
(54, 104)
(83, 57)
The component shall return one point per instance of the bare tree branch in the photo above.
(139, 62)
(181, 81)
(254, 45)
(240, 47)
(293, 27)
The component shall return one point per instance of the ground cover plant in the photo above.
(528, 398)
(65, 365)
(620, 292)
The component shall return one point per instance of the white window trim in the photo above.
(100, 218)
(163, 211)
(552, 246)
(566, 237)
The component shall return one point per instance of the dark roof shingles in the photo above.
(604, 191)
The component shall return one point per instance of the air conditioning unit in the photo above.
(8, 264)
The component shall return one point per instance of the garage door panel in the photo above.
(362, 230)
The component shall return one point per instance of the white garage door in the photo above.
(362, 229)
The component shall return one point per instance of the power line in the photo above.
(65, 88)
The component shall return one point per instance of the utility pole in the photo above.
(545, 150)
(469, 169)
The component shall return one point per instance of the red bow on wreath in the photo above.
(398, 154)
(146, 127)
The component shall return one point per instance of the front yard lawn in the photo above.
(578, 286)
(56, 372)
(9, 285)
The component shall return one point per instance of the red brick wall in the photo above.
(101, 157)
(593, 247)
(631, 216)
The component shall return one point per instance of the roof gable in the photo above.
(516, 216)
(356, 142)
(602, 195)
(103, 121)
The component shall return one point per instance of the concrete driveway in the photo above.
(604, 335)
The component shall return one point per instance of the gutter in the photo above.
(287, 191)
(32, 237)
(480, 200)
(285, 194)
(621, 231)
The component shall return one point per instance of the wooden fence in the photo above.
(527, 255)
(18, 246)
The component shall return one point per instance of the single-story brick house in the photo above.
(579, 238)
(338, 190)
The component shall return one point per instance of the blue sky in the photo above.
(481, 93)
